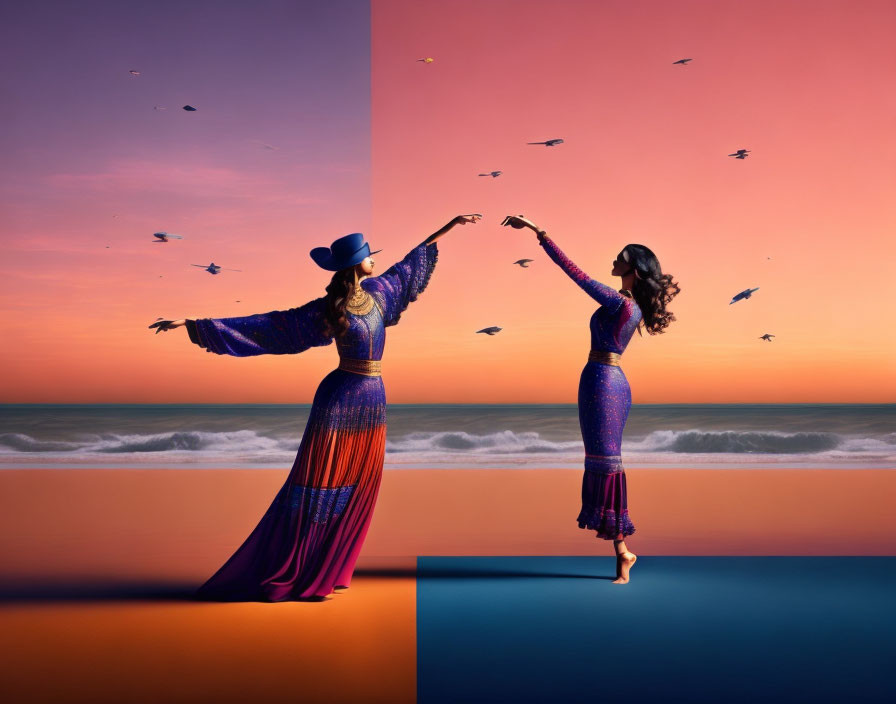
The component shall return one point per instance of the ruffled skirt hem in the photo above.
(605, 498)
(607, 523)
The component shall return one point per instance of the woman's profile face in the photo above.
(367, 265)
(620, 266)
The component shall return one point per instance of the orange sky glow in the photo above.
(807, 217)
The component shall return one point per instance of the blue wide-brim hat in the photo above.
(343, 253)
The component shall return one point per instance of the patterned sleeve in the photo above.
(603, 294)
(397, 287)
(278, 332)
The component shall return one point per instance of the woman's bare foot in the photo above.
(624, 562)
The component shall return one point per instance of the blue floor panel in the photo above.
(686, 629)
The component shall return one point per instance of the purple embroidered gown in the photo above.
(604, 402)
(309, 539)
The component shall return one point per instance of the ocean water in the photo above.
(722, 436)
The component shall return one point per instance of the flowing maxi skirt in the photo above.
(604, 402)
(309, 539)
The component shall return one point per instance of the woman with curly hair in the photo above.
(604, 394)
(308, 541)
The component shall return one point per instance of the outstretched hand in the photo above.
(518, 222)
(464, 219)
(459, 220)
(166, 325)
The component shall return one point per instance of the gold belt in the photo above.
(604, 357)
(367, 367)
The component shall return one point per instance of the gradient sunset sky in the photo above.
(316, 119)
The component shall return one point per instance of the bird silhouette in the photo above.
(189, 108)
(683, 62)
(214, 268)
(134, 73)
(767, 337)
(524, 262)
(549, 143)
(493, 174)
(740, 154)
(165, 236)
(746, 293)
(493, 330)
(427, 60)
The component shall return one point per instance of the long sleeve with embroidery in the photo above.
(399, 286)
(278, 332)
(603, 294)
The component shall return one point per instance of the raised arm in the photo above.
(278, 332)
(603, 294)
(396, 288)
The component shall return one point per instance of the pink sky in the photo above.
(369, 139)
(806, 87)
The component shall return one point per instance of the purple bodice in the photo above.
(297, 329)
(365, 337)
(614, 323)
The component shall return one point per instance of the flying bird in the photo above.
(134, 73)
(524, 262)
(549, 143)
(165, 236)
(427, 60)
(160, 107)
(493, 174)
(740, 154)
(189, 108)
(493, 330)
(743, 295)
(766, 337)
(683, 62)
(213, 268)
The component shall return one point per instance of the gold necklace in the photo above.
(360, 302)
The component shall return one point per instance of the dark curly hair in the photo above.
(334, 307)
(652, 289)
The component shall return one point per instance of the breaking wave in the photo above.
(452, 448)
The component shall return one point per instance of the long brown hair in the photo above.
(338, 291)
(652, 289)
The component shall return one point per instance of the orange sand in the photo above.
(126, 538)
(182, 524)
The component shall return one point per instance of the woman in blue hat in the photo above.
(308, 541)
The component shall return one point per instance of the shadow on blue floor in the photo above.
(685, 629)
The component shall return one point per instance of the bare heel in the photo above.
(624, 563)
